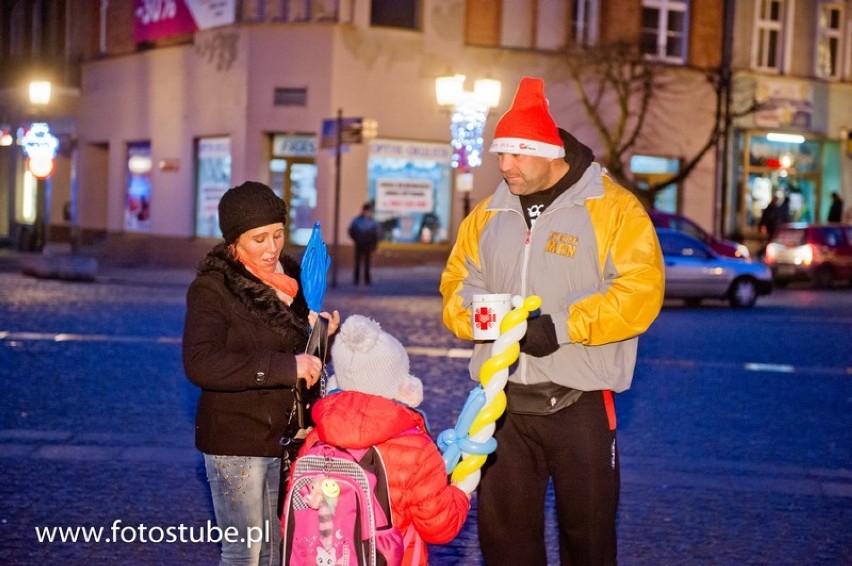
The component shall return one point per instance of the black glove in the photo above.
(540, 339)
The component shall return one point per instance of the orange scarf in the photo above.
(278, 280)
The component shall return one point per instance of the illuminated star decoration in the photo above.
(467, 125)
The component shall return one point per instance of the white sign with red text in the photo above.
(404, 196)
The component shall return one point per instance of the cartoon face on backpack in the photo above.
(328, 556)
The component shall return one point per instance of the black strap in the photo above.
(317, 346)
(318, 340)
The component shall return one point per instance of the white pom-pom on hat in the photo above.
(369, 360)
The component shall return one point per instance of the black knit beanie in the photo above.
(248, 206)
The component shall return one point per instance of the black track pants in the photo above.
(576, 448)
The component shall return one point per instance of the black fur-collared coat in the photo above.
(239, 347)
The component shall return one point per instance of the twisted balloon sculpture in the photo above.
(472, 439)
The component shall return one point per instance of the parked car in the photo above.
(695, 272)
(727, 248)
(819, 253)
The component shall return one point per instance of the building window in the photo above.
(584, 22)
(664, 26)
(769, 35)
(137, 204)
(293, 177)
(542, 24)
(650, 170)
(283, 96)
(395, 13)
(829, 40)
(213, 178)
(410, 184)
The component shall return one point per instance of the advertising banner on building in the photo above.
(784, 104)
(157, 19)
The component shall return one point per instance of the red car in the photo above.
(819, 253)
(683, 224)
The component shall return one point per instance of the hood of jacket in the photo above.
(352, 419)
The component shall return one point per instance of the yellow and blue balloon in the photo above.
(466, 446)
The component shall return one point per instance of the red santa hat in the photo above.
(527, 128)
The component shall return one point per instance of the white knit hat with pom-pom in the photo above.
(369, 360)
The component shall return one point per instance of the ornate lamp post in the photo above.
(469, 112)
(40, 147)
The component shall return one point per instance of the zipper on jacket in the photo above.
(522, 364)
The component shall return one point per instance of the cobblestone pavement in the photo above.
(720, 465)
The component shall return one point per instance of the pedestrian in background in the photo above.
(366, 233)
(245, 332)
(835, 213)
(771, 218)
(559, 228)
(372, 401)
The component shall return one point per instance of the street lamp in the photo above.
(40, 147)
(469, 112)
(40, 93)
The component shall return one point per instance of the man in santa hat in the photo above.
(560, 228)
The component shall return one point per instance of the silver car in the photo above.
(695, 272)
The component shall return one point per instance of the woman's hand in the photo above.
(308, 367)
(333, 320)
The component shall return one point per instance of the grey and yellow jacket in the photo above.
(593, 258)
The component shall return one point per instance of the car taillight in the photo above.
(771, 253)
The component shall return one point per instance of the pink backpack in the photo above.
(338, 510)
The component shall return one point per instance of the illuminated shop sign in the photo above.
(40, 147)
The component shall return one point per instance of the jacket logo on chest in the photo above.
(561, 244)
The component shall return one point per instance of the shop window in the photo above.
(213, 178)
(137, 203)
(664, 27)
(395, 13)
(409, 184)
(648, 171)
(829, 39)
(584, 22)
(770, 35)
(785, 166)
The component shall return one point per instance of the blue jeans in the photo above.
(245, 499)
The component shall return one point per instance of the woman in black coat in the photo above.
(245, 334)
